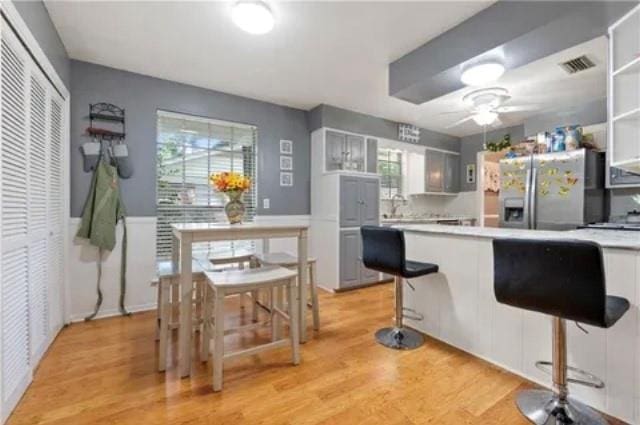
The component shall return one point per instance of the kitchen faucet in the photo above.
(394, 206)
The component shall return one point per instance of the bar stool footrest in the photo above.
(580, 377)
(412, 314)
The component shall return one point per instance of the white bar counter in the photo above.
(460, 308)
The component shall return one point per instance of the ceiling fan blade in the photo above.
(517, 108)
(463, 120)
(459, 111)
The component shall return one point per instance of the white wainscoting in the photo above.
(141, 265)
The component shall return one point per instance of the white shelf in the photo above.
(629, 115)
(630, 165)
(632, 67)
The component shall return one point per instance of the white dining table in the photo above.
(186, 234)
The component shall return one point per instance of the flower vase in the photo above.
(235, 207)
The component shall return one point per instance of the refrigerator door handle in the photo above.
(534, 195)
(527, 200)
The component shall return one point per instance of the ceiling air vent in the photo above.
(577, 65)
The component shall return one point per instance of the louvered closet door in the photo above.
(14, 241)
(32, 161)
(56, 211)
(39, 135)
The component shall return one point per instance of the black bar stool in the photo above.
(566, 280)
(383, 250)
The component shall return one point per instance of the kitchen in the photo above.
(345, 212)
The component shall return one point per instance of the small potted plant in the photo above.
(233, 185)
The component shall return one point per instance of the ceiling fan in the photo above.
(486, 105)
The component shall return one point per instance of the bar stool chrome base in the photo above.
(399, 338)
(543, 407)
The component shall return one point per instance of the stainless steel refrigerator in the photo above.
(553, 191)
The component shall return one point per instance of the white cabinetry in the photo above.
(33, 210)
(624, 92)
(345, 194)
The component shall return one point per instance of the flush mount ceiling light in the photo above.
(483, 73)
(254, 17)
(485, 117)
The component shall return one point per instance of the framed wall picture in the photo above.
(286, 147)
(286, 179)
(286, 163)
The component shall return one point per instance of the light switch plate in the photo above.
(265, 203)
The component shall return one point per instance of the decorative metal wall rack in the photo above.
(106, 112)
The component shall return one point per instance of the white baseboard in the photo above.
(112, 312)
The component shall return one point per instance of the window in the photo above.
(189, 149)
(390, 170)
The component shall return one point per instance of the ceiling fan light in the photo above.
(485, 117)
(254, 17)
(481, 74)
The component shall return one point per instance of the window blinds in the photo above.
(189, 149)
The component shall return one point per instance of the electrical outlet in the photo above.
(265, 203)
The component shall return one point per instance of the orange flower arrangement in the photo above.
(228, 181)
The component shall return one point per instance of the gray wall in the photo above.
(142, 96)
(343, 119)
(36, 16)
(594, 112)
(471, 145)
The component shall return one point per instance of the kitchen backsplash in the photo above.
(463, 204)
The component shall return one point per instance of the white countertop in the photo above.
(606, 238)
(425, 220)
(199, 227)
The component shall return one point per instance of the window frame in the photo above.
(212, 209)
(386, 190)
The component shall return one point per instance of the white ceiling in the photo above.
(542, 83)
(319, 52)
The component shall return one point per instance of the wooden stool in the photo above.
(240, 258)
(168, 286)
(167, 283)
(290, 262)
(222, 284)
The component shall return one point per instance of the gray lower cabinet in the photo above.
(350, 254)
(352, 270)
(359, 201)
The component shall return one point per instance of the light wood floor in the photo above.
(104, 372)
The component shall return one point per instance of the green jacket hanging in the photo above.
(102, 211)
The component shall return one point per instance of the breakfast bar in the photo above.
(458, 306)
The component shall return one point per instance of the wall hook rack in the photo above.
(107, 113)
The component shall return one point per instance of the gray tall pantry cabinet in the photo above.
(359, 206)
(345, 195)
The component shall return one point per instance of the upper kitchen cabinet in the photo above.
(349, 152)
(624, 93)
(451, 173)
(442, 172)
